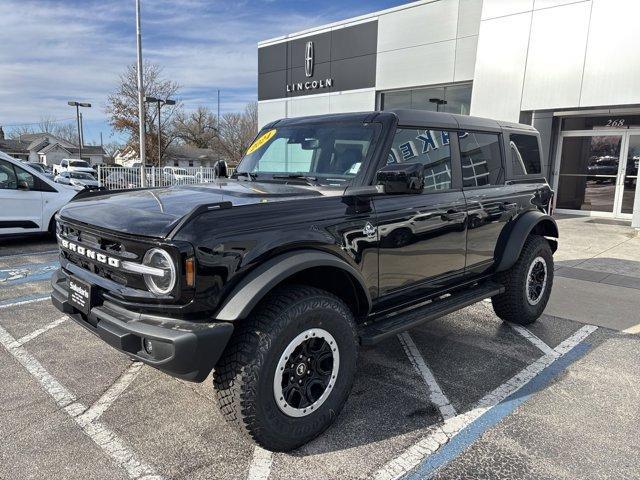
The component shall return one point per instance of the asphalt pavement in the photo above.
(465, 396)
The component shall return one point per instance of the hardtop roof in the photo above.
(408, 117)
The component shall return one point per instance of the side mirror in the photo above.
(23, 185)
(401, 178)
(220, 169)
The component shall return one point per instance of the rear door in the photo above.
(489, 204)
(422, 237)
(21, 210)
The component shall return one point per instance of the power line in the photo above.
(45, 120)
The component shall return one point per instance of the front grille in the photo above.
(109, 244)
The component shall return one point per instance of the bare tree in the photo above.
(122, 107)
(197, 128)
(236, 132)
(65, 131)
(110, 148)
(229, 139)
(17, 132)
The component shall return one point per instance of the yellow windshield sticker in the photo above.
(261, 140)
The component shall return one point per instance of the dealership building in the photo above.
(569, 68)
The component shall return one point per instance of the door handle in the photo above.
(452, 215)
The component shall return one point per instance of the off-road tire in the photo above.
(244, 376)
(513, 305)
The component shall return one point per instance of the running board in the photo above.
(389, 326)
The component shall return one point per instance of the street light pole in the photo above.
(159, 102)
(78, 115)
(141, 122)
(79, 137)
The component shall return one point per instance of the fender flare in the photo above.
(512, 238)
(251, 289)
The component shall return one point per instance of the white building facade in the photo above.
(568, 67)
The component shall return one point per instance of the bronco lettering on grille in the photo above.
(96, 255)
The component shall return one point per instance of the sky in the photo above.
(53, 51)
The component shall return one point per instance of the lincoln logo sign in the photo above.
(309, 63)
(308, 60)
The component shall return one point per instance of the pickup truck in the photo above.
(73, 165)
(335, 231)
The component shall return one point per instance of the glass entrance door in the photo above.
(629, 175)
(598, 172)
(588, 174)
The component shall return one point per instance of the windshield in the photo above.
(82, 176)
(37, 167)
(330, 154)
(79, 163)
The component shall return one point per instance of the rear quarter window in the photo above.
(525, 154)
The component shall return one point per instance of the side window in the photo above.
(481, 159)
(525, 154)
(8, 179)
(428, 147)
(26, 176)
(63, 163)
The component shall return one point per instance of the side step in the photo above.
(388, 326)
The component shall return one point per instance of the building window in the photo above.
(191, 163)
(450, 99)
(175, 163)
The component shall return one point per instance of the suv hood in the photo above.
(154, 212)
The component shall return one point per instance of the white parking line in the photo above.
(260, 467)
(96, 410)
(526, 333)
(27, 338)
(437, 397)
(25, 302)
(104, 438)
(32, 254)
(415, 454)
(634, 329)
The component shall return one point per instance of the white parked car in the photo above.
(29, 200)
(179, 176)
(78, 179)
(72, 165)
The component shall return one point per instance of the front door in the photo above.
(598, 172)
(422, 237)
(21, 210)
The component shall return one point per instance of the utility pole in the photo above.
(79, 120)
(141, 122)
(81, 132)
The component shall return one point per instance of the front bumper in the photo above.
(183, 349)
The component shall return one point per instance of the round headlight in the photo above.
(160, 259)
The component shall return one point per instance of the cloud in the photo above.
(57, 50)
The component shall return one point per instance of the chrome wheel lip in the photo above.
(277, 379)
(531, 299)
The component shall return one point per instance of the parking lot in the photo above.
(465, 396)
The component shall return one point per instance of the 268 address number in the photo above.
(615, 123)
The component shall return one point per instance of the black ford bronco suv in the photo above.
(334, 231)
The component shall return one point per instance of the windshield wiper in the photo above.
(296, 176)
(249, 175)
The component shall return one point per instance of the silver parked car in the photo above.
(78, 179)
